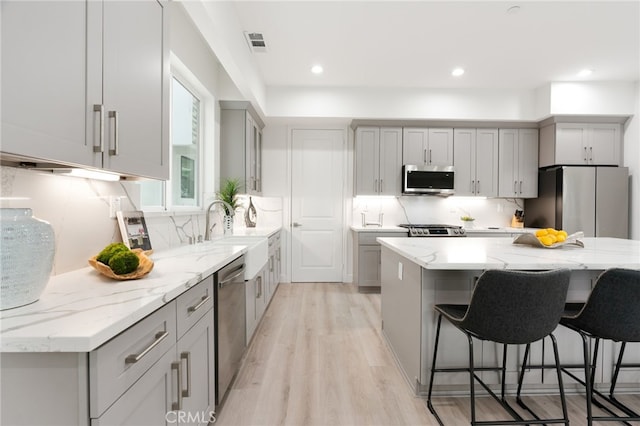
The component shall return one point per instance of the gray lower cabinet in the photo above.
(260, 290)
(179, 388)
(366, 259)
(159, 371)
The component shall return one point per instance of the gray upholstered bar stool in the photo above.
(612, 312)
(512, 308)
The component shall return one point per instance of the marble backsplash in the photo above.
(78, 210)
(493, 212)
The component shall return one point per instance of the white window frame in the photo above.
(206, 149)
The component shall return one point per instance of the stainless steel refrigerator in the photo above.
(594, 200)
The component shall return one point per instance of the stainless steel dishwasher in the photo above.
(230, 324)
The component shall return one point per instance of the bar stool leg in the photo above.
(433, 371)
(472, 381)
(587, 378)
(614, 379)
(563, 401)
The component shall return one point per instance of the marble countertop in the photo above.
(478, 230)
(501, 253)
(82, 309)
(499, 230)
(384, 228)
(260, 231)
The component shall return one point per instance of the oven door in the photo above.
(430, 180)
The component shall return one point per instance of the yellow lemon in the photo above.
(564, 234)
(551, 231)
(546, 240)
(541, 232)
(560, 237)
(553, 238)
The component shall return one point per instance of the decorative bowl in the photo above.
(145, 266)
(532, 240)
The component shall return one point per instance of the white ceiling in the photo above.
(416, 44)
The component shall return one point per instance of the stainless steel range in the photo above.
(434, 230)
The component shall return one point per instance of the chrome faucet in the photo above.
(207, 230)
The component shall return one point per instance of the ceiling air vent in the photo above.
(256, 42)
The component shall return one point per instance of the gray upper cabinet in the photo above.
(581, 144)
(518, 163)
(378, 154)
(427, 147)
(476, 162)
(241, 145)
(44, 75)
(92, 90)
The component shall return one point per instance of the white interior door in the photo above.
(317, 185)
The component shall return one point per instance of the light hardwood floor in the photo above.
(319, 358)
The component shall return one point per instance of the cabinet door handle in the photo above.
(205, 299)
(186, 393)
(296, 224)
(515, 186)
(585, 154)
(100, 108)
(425, 157)
(381, 186)
(521, 187)
(259, 285)
(477, 187)
(429, 156)
(133, 358)
(178, 367)
(591, 153)
(375, 185)
(473, 186)
(116, 140)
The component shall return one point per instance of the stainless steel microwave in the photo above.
(430, 180)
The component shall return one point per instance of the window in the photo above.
(185, 145)
(189, 134)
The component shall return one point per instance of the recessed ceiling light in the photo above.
(457, 72)
(317, 69)
(585, 73)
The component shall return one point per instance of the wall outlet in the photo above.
(400, 271)
(500, 208)
(114, 206)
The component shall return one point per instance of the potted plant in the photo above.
(229, 189)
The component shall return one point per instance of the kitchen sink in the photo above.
(257, 251)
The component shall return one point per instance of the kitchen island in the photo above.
(420, 272)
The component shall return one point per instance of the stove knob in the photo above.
(419, 231)
(461, 231)
(455, 231)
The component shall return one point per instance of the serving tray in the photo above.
(532, 240)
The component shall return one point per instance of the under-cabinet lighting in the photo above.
(317, 69)
(88, 174)
(457, 72)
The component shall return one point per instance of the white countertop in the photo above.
(384, 228)
(500, 253)
(496, 230)
(260, 231)
(475, 230)
(82, 309)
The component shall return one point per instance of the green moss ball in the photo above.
(107, 253)
(124, 262)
